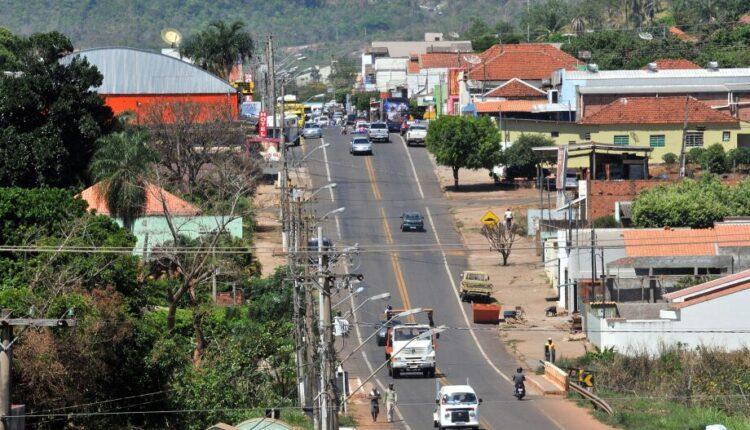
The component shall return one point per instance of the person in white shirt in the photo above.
(508, 218)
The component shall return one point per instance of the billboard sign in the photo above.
(395, 109)
(263, 124)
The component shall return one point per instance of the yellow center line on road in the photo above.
(373, 179)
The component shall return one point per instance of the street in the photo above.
(420, 272)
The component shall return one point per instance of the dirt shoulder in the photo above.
(522, 282)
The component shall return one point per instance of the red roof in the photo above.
(412, 67)
(154, 197)
(710, 290)
(657, 110)
(436, 60)
(677, 63)
(676, 32)
(651, 242)
(516, 88)
(523, 61)
(508, 105)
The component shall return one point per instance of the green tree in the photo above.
(123, 162)
(548, 16)
(669, 158)
(464, 142)
(520, 158)
(50, 117)
(219, 46)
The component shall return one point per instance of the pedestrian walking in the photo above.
(508, 218)
(374, 403)
(391, 399)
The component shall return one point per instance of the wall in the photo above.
(725, 316)
(152, 231)
(213, 106)
(602, 195)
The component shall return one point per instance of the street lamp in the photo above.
(427, 334)
(333, 212)
(403, 314)
(311, 152)
(316, 96)
(384, 296)
(354, 293)
(324, 187)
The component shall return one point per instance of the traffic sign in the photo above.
(490, 219)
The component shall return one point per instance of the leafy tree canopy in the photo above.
(520, 158)
(464, 142)
(219, 46)
(49, 115)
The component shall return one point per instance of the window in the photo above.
(586, 136)
(656, 141)
(725, 136)
(694, 139)
(621, 140)
(555, 134)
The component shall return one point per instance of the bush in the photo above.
(694, 155)
(738, 156)
(669, 158)
(714, 159)
(607, 221)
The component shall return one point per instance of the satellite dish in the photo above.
(473, 59)
(454, 35)
(171, 36)
(646, 35)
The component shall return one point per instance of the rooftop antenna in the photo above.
(171, 37)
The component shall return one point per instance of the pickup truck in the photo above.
(407, 354)
(457, 407)
(475, 285)
(416, 134)
(378, 132)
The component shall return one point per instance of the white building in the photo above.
(713, 314)
(390, 73)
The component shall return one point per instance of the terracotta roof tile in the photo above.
(154, 196)
(651, 242)
(435, 60)
(656, 110)
(412, 67)
(729, 279)
(523, 61)
(676, 32)
(508, 105)
(516, 88)
(677, 63)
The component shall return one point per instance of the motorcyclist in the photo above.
(519, 378)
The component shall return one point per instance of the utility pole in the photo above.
(272, 81)
(324, 308)
(6, 353)
(683, 155)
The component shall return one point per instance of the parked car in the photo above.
(378, 132)
(312, 131)
(416, 134)
(412, 221)
(360, 145)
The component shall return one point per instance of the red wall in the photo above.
(602, 195)
(212, 105)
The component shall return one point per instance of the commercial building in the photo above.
(136, 80)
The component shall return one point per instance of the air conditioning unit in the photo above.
(592, 68)
(653, 67)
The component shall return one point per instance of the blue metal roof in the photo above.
(136, 71)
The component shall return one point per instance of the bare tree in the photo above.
(205, 161)
(501, 238)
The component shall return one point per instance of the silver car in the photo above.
(360, 145)
(312, 131)
(378, 132)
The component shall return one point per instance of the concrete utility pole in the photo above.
(324, 309)
(6, 354)
(272, 81)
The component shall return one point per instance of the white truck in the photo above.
(457, 406)
(406, 353)
(416, 134)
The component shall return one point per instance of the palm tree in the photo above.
(122, 163)
(578, 25)
(219, 47)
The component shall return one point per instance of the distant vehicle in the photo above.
(323, 121)
(360, 145)
(396, 110)
(378, 132)
(383, 331)
(407, 354)
(416, 134)
(351, 119)
(413, 221)
(457, 407)
(404, 127)
(475, 285)
(312, 131)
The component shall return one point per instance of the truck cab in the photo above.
(457, 406)
(475, 285)
(405, 353)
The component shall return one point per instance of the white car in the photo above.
(416, 134)
(360, 145)
(457, 407)
(378, 132)
(323, 121)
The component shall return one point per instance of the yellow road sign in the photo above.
(490, 219)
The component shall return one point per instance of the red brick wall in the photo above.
(602, 194)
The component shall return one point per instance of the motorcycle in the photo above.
(520, 391)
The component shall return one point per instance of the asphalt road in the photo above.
(375, 191)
